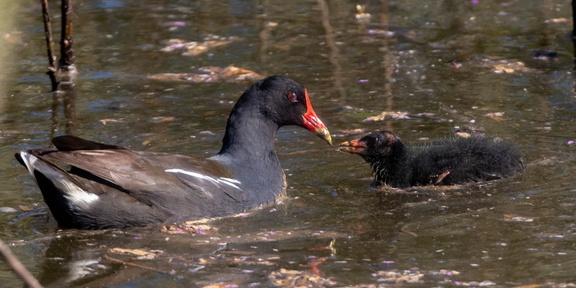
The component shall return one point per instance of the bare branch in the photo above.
(17, 267)
(49, 45)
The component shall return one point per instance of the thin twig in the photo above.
(66, 47)
(17, 267)
(49, 45)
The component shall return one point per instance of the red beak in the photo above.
(313, 123)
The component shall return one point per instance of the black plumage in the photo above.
(458, 161)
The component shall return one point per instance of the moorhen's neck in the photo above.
(393, 169)
(248, 133)
(248, 150)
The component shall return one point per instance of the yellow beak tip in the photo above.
(324, 134)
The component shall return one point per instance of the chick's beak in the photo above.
(353, 146)
(313, 123)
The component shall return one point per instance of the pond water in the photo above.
(503, 68)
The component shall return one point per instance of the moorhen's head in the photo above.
(378, 144)
(285, 102)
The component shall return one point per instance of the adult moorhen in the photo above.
(109, 186)
(459, 161)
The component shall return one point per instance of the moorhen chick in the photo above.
(109, 186)
(459, 161)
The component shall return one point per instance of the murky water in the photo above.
(456, 61)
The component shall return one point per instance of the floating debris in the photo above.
(161, 119)
(105, 121)
(388, 115)
(412, 276)
(195, 48)
(189, 228)
(463, 134)
(498, 116)
(230, 74)
(11, 132)
(385, 115)
(222, 285)
(295, 278)
(139, 253)
(516, 218)
(558, 20)
(25, 208)
(508, 66)
(224, 259)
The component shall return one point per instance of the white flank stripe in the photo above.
(221, 180)
(77, 195)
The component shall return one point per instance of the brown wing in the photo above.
(171, 182)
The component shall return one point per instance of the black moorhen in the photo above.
(109, 186)
(459, 161)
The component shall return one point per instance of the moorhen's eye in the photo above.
(293, 97)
